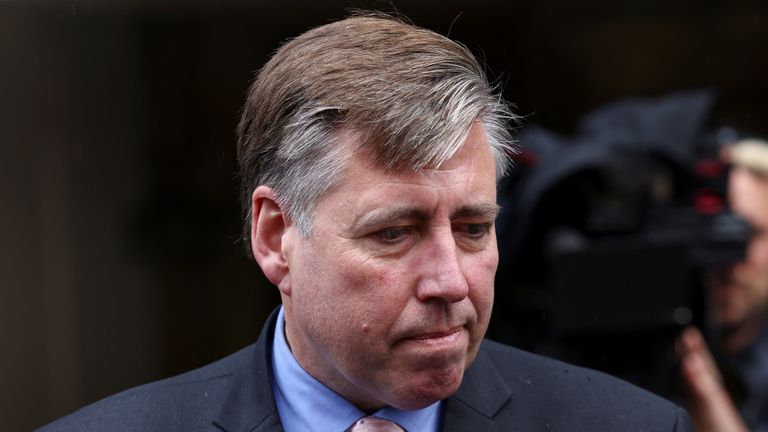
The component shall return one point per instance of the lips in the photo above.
(437, 334)
(437, 338)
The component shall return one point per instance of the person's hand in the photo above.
(710, 406)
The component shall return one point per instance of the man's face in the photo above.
(741, 291)
(389, 297)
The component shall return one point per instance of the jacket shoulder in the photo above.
(554, 395)
(184, 402)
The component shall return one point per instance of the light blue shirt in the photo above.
(305, 404)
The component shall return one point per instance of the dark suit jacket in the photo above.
(505, 389)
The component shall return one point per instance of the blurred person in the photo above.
(370, 151)
(738, 299)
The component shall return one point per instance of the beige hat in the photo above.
(751, 153)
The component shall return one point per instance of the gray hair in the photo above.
(409, 94)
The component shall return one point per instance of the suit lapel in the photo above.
(483, 392)
(248, 404)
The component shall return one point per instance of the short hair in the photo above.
(409, 94)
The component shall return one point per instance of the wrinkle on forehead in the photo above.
(459, 180)
(361, 148)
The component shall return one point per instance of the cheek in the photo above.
(758, 252)
(382, 292)
(367, 296)
(480, 275)
(326, 286)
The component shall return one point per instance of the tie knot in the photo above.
(374, 424)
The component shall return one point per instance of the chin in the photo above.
(432, 387)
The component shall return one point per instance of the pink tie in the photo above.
(374, 424)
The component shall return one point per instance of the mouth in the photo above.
(438, 338)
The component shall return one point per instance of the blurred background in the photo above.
(119, 254)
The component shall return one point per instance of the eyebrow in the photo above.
(483, 210)
(381, 216)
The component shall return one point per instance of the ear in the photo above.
(268, 225)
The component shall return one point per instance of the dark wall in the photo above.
(119, 260)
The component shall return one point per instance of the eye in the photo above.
(475, 230)
(392, 235)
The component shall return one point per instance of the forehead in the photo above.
(466, 178)
(403, 162)
(748, 196)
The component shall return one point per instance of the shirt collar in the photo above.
(306, 404)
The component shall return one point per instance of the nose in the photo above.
(441, 274)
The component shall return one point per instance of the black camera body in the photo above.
(606, 238)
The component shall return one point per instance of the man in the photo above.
(370, 151)
(739, 309)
